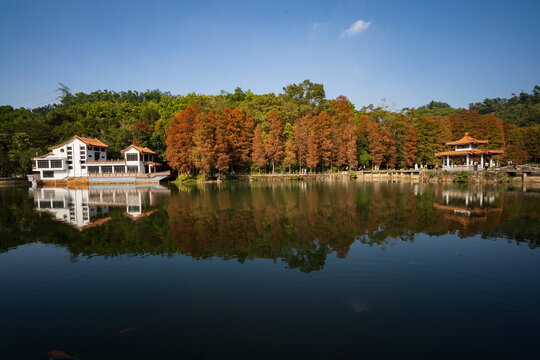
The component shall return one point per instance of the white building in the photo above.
(85, 157)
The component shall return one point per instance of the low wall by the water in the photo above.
(423, 175)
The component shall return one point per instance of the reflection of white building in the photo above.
(85, 208)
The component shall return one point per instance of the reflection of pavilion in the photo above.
(86, 208)
(467, 207)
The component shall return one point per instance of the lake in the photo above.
(343, 270)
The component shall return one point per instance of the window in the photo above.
(134, 208)
(83, 157)
(57, 204)
(69, 162)
(70, 167)
(119, 169)
(81, 148)
(89, 155)
(56, 163)
(132, 157)
(43, 164)
(69, 148)
(106, 169)
(70, 157)
(83, 167)
(132, 169)
(48, 174)
(93, 169)
(62, 150)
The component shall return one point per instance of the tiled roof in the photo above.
(467, 140)
(143, 150)
(469, 152)
(42, 156)
(87, 141)
(95, 223)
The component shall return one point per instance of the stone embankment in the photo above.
(528, 174)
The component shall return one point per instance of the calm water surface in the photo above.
(266, 271)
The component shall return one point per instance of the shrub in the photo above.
(183, 178)
(352, 176)
(461, 177)
(202, 178)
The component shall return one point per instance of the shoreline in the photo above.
(494, 176)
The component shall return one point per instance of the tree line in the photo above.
(296, 130)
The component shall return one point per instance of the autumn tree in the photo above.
(389, 145)
(258, 155)
(377, 148)
(344, 133)
(515, 150)
(301, 134)
(312, 156)
(203, 151)
(289, 156)
(222, 146)
(179, 139)
(322, 128)
(274, 145)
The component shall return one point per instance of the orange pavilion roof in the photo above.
(467, 140)
(469, 152)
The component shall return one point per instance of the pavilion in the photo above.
(466, 152)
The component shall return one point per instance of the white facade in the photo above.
(69, 160)
(140, 158)
(82, 157)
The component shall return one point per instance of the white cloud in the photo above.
(356, 28)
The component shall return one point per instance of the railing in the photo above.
(130, 174)
(112, 174)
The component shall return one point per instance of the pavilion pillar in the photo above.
(448, 160)
(467, 159)
(482, 160)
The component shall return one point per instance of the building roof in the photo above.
(42, 156)
(140, 149)
(469, 152)
(467, 140)
(153, 163)
(141, 215)
(95, 223)
(87, 141)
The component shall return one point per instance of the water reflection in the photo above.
(87, 208)
(298, 223)
(468, 206)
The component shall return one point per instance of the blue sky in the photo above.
(408, 52)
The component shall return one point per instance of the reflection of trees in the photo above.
(297, 223)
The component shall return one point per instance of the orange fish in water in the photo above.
(57, 354)
(125, 331)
